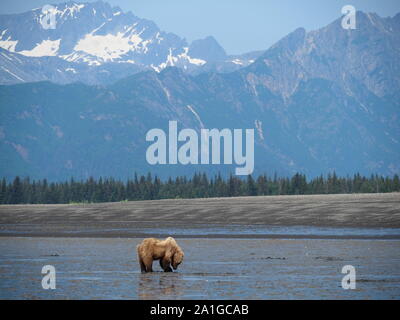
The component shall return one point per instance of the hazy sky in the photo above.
(238, 25)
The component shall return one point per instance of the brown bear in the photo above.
(167, 251)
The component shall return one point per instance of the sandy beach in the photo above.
(219, 216)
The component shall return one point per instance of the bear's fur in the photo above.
(167, 251)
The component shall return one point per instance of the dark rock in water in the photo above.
(328, 258)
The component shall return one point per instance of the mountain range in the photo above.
(95, 43)
(319, 101)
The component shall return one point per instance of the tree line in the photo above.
(27, 191)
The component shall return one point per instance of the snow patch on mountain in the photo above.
(180, 59)
(197, 62)
(81, 57)
(70, 11)
(258, 125)
(196, 115)
(13, 74)
(71, 70)
(108, 47)
(237, 61)
(45, 48)
(92, 35)
(7, 44)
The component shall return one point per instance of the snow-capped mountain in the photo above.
(318, 101)
(95, 35)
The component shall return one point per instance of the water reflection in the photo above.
(214, 269)
(160, 285)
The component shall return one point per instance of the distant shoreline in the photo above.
(189, 217)
(391, 237)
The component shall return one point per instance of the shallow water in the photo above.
(213, 269)
(281, 231)
(139, 229)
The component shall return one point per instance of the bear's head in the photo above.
(177, 258)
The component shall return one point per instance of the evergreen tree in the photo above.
(251, 186)
(17, 191)
(3, 191)
(199, 186)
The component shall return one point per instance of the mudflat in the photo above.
(93, 268)
(236, 217)
(291, 247)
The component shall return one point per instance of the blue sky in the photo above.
(239, 26)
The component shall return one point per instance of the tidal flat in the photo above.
(286, 247)
(95, 268)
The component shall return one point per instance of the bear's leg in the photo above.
(164, 263)
(142, 265)
(148, 263)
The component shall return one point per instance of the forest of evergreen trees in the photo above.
(24, 191)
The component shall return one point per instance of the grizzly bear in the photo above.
(167, 251)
